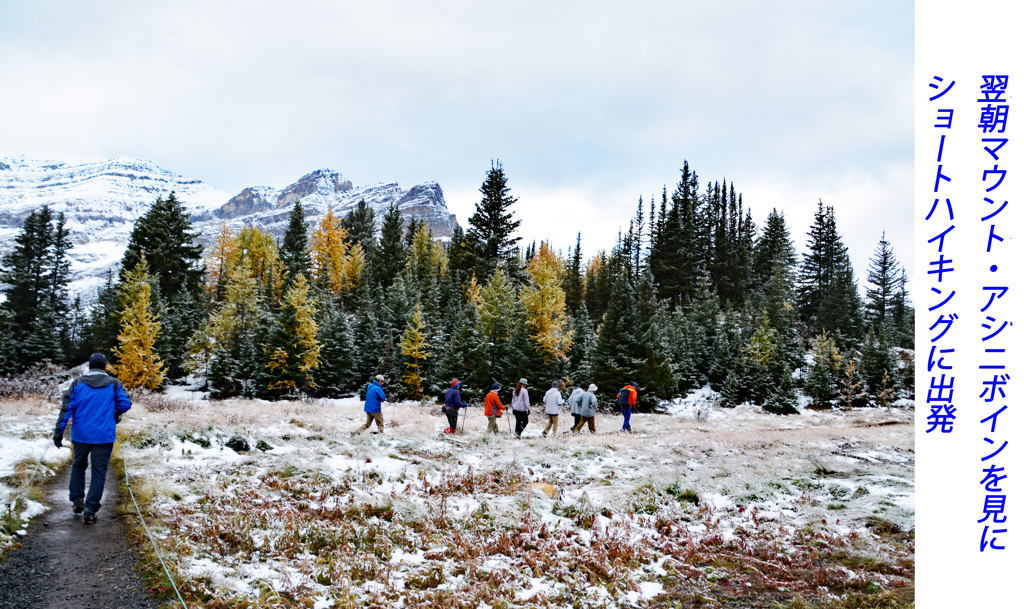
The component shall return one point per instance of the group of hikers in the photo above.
(582, 405)
(95, 401)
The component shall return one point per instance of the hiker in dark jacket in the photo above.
(452, 404)
(93, 403)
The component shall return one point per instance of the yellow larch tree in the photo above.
(544, 303)
(415, 352)
(220, 259)
(331, 255)
(293, 350)
(138, 366)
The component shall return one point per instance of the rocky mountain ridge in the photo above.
(102, 200)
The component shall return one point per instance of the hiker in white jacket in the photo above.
(552, 400)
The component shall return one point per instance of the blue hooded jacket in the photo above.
(374, 397)
(90, 402)
(453, 399)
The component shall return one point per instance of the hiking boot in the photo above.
(544, 434)
(78, 507)
(88, 517)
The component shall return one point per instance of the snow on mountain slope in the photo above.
(321, 190)
(102, 200)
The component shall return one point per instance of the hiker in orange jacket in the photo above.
(493, 408)
(627, 401)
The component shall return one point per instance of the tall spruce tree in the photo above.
(35, 276)
(389, 258)
(827, 293)
(335, 375)
(164, 234)
(295, 246)
(883, 285)
(620, 350)
(361, 226)
(572, 282)
(773, 244)
(465, 355)
(491, 226)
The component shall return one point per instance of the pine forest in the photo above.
(694, 292)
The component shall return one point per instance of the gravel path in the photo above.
(64, 564)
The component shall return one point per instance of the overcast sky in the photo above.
(588, 105)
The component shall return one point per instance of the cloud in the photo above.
(589, 105)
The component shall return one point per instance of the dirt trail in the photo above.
(64, 564)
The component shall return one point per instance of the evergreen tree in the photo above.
(778, 303)
(138, 364)
(620, 352)
(390, 255)
(773, 245)
(883, 285)
(726, 355)
(182, 318)
(164, 235)
(366, 336)
(499, 315)
(584, 345)
(35, 275)
(703, 320)
(823, 377)
(335, 375)
(412, 227)
(234, 333)
(572, 283)
(903, 315)
(599, 285)
(465, 355)
(294, 247)
(361, 226)
(879, 367)
(8, 354)
(827, 293)
(491, 225)
(655, 373)
(292, 350)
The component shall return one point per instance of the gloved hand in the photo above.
(117, 416)
(58, 439)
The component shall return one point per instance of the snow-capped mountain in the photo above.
(101, 202)
(325, 188)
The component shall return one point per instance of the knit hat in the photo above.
(583, 386)
(456, 382)
(495, 387)
(592, 388)
(97, 361)
(523, 381)
(380, 377)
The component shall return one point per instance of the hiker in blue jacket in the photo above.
(374, 397)
(452, 404)
(93, 403)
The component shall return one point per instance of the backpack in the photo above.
(623, 398)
